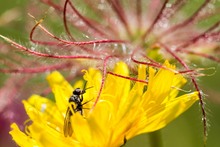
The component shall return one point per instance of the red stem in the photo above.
(178, 4)
(65, 21)
(184, 23)
(85, 20)
(49, 55)
(37, 69)
(151, 63)
(50, 3)
(202, 104)
(129, 78)
(202, 55)
(104, 17)
(103, 80)
(139, 13)
(195, 39)
(121, 15)
(147, 32)
(65, 41)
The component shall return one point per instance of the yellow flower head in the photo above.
(124, 110)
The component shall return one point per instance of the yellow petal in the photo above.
(61, 88)
(162, 115)
(93, 78)
(119, 87)
(102, 118)
(159, 86)
(121, 112)
(22, 139)
(44, 107)
(80, 125)
(79, 84)
(49, 135)
(178, 82)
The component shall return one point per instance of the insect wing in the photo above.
(68, 130)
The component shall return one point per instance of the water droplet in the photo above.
(33, 48)
(124, 48)
(168, 5)
(43, 107)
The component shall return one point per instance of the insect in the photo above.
(77, 99)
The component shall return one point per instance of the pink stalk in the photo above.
(85, 20)
(104, 72)
(178, 4)
(151, 63)
(23, 48)
(126, 77)
(147, 32)
(214, 34)
(213, 58)
(50, 3)
(202, 104)
(184, 23)
(195, 39)
(120, 13)
(65, 21)
(139, 13)
(65, 41)
(37, 69)
(104, 17)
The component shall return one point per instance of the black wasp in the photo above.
(77, 99)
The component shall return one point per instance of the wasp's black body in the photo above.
(77, 99)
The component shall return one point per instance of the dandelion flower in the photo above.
(124, 110)
(142, 32)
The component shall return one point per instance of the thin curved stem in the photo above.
(104, 73)
(184, 23)
(23, 48)
(37, 69)
(202, 104)
(126, 77)
(157, 18)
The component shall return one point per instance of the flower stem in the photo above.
(155, 139)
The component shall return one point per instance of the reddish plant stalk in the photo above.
(139, 13)
(23, 48)
(104, 72)
(120, 13)
(80, 43)
(65, 21)
(148, 31)
(64, 42)
(85, 20)
(202, 104)
(178, 4)
(184, 23)
(126, 77)
(37, 69)
(50, 3)
(105, 17)
(195, 39)
(151, 63)
(213, 58)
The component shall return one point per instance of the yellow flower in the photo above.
(124, 110)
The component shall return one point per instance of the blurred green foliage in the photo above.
(13, 26)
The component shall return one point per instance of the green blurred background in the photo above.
(185, 131)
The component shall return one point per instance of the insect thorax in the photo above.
(76, 99)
